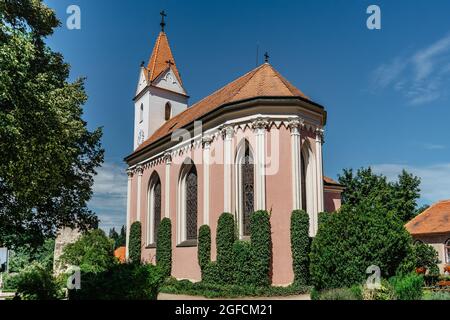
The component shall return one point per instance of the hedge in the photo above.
(226, 235)
(204, 247)
(261, 241)
(122, 282)
(300, 246)
(164, 247)
(135, 242)
(243, 264)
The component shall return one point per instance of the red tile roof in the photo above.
(264, 81)
(120, 254)
(159, 59)
(435, 219)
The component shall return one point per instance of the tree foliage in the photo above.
(355, 238)
(48, 157)
(397, 196)
(93, 252)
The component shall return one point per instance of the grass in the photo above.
(185, 287)
(436, 295)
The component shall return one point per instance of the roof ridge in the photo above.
(156, 52)
(223, 87)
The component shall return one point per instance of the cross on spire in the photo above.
(266, 57)
(163, 22)
(170, 63)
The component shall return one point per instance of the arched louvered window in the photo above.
(168, 111)
(154, 208)
(141, 113)
(245, 178)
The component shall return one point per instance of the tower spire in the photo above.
(163, 22)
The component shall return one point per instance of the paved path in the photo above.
(166, 296)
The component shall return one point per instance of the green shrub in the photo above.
(135, 242)
(122, 282)
(261, 241)
(209, 290)
(10, 281)
(437, 295)
(243, 266)
(426, 257)
(93, 252)
(300, 246)
(408, 287)
(323, 216)
(353, 293)
(384, 292)
(354, 239)
(164, 247)
(226, 235)
(35, 282)
(204, 247)
(212, 273)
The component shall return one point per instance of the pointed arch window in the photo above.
(168, 111)
(188, 204)
(154, 208)
(245, 188)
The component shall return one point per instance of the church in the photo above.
(254, 144)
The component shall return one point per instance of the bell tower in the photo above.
(160, 94)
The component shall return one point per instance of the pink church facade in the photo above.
(255, 144)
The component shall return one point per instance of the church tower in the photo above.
(160, 94)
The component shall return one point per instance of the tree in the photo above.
(354, 239)
(48, 157)
(114, 236)
(122, 240)
(93, 252)
(26, 255)
(399, 196)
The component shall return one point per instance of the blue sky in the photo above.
(385, 90)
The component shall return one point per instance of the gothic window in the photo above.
(191, 205)
(154, 208)
(187, 203)
(168, 111)
(304, 199)
(245, 203)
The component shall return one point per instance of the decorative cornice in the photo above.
(140, 170)
(296, 125)
(260, 124)
(320, 135)
(130, 174)
(207, 140)
(227, 132)
(167, 158)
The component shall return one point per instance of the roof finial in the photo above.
(163, 23)
(266, 57)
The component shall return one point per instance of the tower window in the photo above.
(141, 113)
(168, 111)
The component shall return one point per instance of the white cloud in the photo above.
(110, 196)
(435, 184)
(419, 78)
